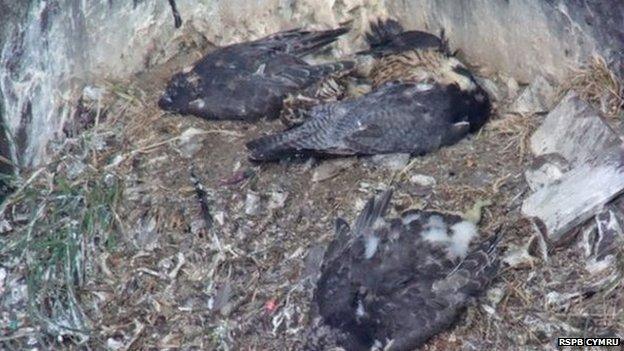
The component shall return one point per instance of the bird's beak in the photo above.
(165, 101)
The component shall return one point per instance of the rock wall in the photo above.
(521, 38)
(524, 37)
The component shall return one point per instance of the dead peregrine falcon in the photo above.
(247, 81)
(396, 283)
(396, 117)
(394, 55)
(412, 56)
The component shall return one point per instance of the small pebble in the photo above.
(423, 180)
(252, 204)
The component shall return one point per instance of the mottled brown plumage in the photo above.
(419, 66)
(296, 106)
(413, 56)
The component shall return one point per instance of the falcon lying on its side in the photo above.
(247, 81)
(408, 118)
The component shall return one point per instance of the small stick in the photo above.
(200, 193)
(177, 20)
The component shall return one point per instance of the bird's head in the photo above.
(472, 106)
(453, 71)
(181, 94)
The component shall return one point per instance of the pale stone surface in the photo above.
(545, 170)
(576, 132)
(190, 142)
(252, 203)
(538, 97)
(393, 162)
(423, 180)
(523, 38)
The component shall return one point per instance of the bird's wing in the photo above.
(406, 326)
(293, 71)
(474, 273)
(337, 289)
(341, 239)
(373, 211)
(398, 119)
(300, 42)
(241, 97)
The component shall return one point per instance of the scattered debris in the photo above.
(115, 344)
(146, 234)
(93, 93)
(198, 227)
(220, 217)
(5, 226)
(277, 199)
(270, 306)
(518, 256)
(237, 177)
(475, 213)
(252, 203)
(598, 84)
(495, 294)
(190, 141)
(575, 131)
(222, 298)
(331, 168)
(3, 275)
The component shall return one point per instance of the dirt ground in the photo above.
(157, 278)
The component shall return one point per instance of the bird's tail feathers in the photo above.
(274, 147)
(302, 42)
(382, 31)
(374, 210)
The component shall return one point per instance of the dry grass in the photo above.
(517, 129)
(599, 85)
